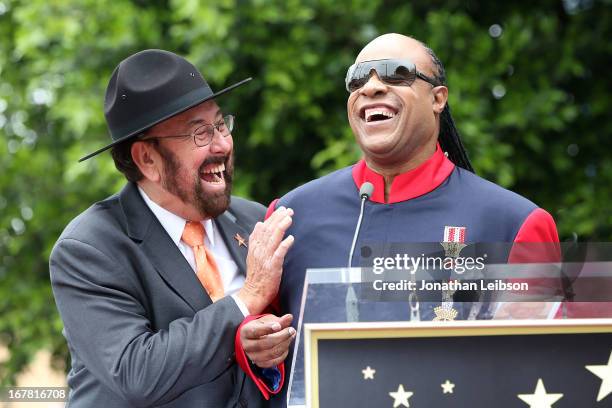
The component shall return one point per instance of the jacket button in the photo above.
(243, 403)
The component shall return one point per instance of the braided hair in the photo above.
(449, 138)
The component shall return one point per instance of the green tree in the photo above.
(528, 88)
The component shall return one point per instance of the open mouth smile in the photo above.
(214, 174)
(377, 113)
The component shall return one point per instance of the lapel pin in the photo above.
(241, 241)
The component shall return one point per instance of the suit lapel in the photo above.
(174, 268)
(229, 230)
(143, 227)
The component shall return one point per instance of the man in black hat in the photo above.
(153, 283)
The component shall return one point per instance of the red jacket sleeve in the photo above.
(271, 208)
(243, 362)
(537, 240)
(539, 227)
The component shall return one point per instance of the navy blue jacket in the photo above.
(421, 204)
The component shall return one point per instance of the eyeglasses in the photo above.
(203, 135)
(395, 72)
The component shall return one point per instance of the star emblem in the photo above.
(447, 387)
(400, 397)
(605, 373)
(368, 373)
(539, 398)
(241, 241)
(452, 249)
(445, 314)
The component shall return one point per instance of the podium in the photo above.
(358, 351)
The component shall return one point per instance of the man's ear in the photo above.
(148, 160)
(440, 97)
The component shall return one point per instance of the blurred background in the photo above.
(529, 86)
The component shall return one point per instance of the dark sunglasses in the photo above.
(395, 72)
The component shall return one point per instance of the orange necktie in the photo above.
(206, 267)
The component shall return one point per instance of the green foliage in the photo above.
(530, 99)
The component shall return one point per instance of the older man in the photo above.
(152, 283)
(424, 187)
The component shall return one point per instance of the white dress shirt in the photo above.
(174, 226)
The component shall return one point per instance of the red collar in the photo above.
(413, 183)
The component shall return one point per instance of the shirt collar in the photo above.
(172, 223)
(411, 184)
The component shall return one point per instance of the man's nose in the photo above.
(373, 86)
(220, 143)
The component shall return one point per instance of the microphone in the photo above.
(351, 301)
(365, 192)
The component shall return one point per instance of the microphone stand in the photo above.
(351, 302)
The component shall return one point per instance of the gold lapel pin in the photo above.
(241, 241)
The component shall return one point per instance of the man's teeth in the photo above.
(214, 173)
(378, 114)
(215, 169)
(216, 179)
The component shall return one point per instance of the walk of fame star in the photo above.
(400, 397)
(368, 373)
(447, 387)
(539, 398)
(605, 373)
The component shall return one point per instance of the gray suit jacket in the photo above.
(141, 330)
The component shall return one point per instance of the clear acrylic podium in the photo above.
(335, 296)
(335, 302)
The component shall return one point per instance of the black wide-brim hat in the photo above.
(149, 87)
